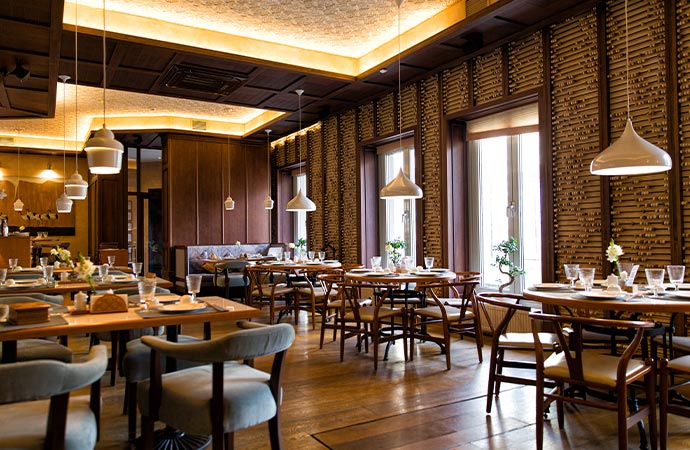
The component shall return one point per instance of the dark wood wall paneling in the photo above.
(197, 181)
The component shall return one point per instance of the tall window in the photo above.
(397, 218)
(299, 180)
(505, 194)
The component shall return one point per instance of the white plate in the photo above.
(167, 298)
(182, 307)
(551, 286)
(23, 284)
(360, 270)
(123, 279)
(603, 295)
(439, 270)
(427, 274)
(677, 294)
(330, 261)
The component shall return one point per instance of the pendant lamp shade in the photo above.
(104, 153)
(401, 187)
(630, 155)
(268, 202)
(300, 202)
(76, 187)
(18, 205)
(229, 204)
(63, 204)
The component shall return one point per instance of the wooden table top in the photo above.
(641, 304)
(410, 277)
(316, 266)
(62, 287)
(91, 323)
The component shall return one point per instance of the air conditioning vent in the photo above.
(202, 79)
(199, 125)
(6, 140)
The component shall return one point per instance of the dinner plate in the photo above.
(123, 279)
(677, 294)
(182, 307)
(603, 295)
(439, 270)
(330, 261)
(550, 286)
(360, 270)
(427, 274)
(167, 298)
(18, 284)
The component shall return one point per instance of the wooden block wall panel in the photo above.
(683, 20)
(526, 63)
(210, 192)
(386, 120)
(349, 233)
(431, 170)
(575, 134)
(366, 126)
(640, 213)
(291, 151)
(280, 155)
(332, 205)
(409, 106)
(315, 185)
(488, 77)
(455, 89)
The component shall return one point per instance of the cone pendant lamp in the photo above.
(630, 154)
(300, 202)
(63, 204)
(75, 187)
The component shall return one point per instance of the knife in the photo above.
(216, 307)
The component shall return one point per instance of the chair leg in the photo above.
(229, 441)
(540, 408)
(413, 325)
(147, 433)
(663, 405)
(274, 431)
(622, 418)
(114, 355)
(651, 400)
(131, 388)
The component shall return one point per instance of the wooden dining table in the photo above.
(91, 323)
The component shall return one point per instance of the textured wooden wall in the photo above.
(588, 110)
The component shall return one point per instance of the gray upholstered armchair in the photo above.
(223, 396)
(61, 422)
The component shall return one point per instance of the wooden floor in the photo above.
(413, 405)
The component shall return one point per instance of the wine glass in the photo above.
(429, 262)
(675, 274)
(193, 286)
(136, 268)
(13, 263)
(655, 278)
(44, 261)
(111, 261)
(322, 256)
(376, 262)
(286, 256)
(587, 277)
(48, 274)
(571, 273)
(3, 276)
(310, 255)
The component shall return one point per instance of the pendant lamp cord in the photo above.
(268, 158)
(76, 85)
(104, 80)
(399, 79)
(64, 135)
(229, 170)
(299, 137)
(627, 62)
(16, 191)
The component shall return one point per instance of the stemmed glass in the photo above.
(111, 261)
(13, 263)
(103, 272)
(429, 262)
(572, 271)
(322, 256)
(587, 277)
(193, 286)
(675, 274)
(48, 274)
(310, 255)
(3, 276)
(136, 268)
(655, 278)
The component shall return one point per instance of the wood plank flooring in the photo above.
(415, 405)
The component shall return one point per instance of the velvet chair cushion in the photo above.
(30, 349)
(137, 360)
(23, 425)
(185, 403)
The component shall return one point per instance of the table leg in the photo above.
(9, 351)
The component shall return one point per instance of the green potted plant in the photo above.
(505, 263)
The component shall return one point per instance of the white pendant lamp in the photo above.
(63, 204)
(268, 201)
(18, 203)
(630, 154)
(401, 186)
(103, 152)
(76, 188)
(229, 202)
(300, 202)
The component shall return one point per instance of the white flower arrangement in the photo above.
(85, 269)
(291, 245)
(62, 254)
(613, 252)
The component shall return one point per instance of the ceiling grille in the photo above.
(202, 79)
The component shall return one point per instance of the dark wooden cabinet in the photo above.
(107, 197)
